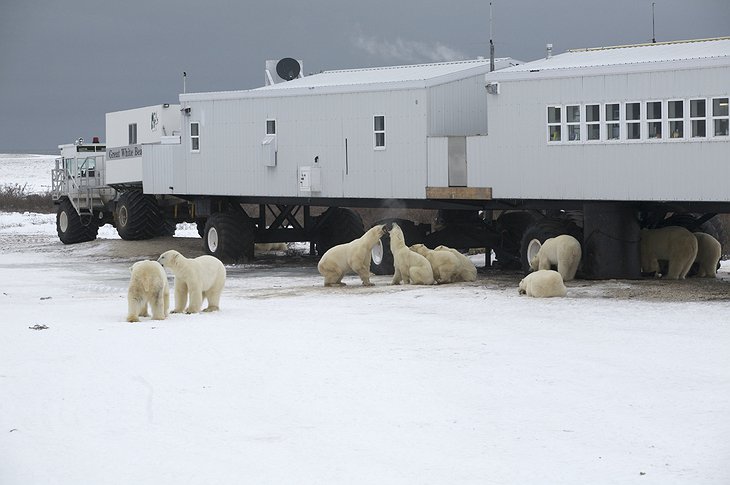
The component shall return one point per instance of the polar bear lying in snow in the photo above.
(448, 265)
(562, 251)
(197, 279)
(350, 257)
(410, 267)
(543, 283)
(467, 270)
(147, 285)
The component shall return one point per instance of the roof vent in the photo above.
(549, 48)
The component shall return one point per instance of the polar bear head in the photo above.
(396, 234)
(168, 259)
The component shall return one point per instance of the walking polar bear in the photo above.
(410, 267)
(562, 251)
(354, 257)
(447, 265)
(543, 283)
(148, 286)
(195, 279)
(709, 251)
(674, 244)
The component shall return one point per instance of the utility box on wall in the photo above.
(310, 179)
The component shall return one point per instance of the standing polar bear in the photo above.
(198, 278)
(350, 257)
(562, 251)
(674, 244)
(543, 283)
(410, 267)
(709, 251)
(148, 285)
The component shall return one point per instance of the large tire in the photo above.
(411, 234)
(71, 227)
(544, 229)
(511, 226)
(337, 226)
(229, 237)
(137, 216)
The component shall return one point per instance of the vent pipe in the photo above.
(491, 41)
(549, 53)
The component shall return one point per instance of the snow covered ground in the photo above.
(295, 383)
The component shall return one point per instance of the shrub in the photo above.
(15, 198)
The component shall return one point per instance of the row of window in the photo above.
(639, 120)
(378, 133)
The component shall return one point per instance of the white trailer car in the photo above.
(593, 142)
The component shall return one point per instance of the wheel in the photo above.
(511, 226)
(71, 227)
(411, 234)
(167, 227)
(200, 226)
(229, 237)
(336, 226)
(137, 216)
(544, 229)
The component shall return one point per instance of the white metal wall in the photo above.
(231, 131)
(517, 162)
(458, 108)
(117, 124)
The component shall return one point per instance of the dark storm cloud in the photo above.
(64, 64)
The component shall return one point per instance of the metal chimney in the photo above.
(549, 48)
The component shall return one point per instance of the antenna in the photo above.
(185, 76)
(491, 41)
(653, 36)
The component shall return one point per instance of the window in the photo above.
(593, 122)
(675, 113)
(654, 119)
(271, 127)
(194, 136)
(133, 134)
(379, 131)
(698, 118)
(633, 121)
(720, 119)
(572, 114)
(554, 121)
(612, 121)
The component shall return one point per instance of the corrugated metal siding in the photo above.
(458, 108)
(520, 164)
(230, 162)
(160, 170)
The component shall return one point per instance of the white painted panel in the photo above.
(438, 157)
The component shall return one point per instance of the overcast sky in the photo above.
(65, 63)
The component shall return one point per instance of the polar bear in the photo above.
(467, 270)
(410, 267)
(562, 251)
(354, 256)
(444, 264)
(148, 285)
(709, 251)
(674, 244)
(543, 283)
(265, 247)
(198, 278)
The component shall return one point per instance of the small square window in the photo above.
(195, 136)
(271, 127)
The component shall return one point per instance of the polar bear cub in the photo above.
(354, 256)
(410, 267)
(195, 279)
(709, 251)
(562, 251)
(543, 283)
(148, 286)
(674, 244)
